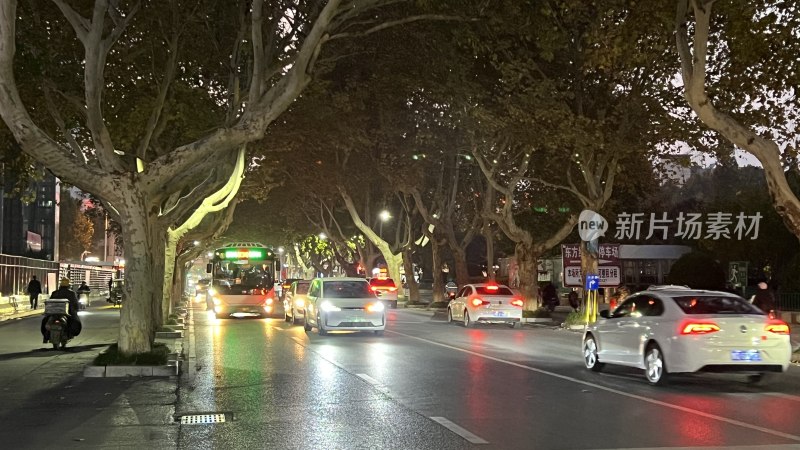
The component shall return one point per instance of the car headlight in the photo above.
(299, 303)
(211, 291)
(375, 307)
(269, 301)
(216, 301)
(328, 307)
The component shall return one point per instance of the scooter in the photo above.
(56, 323)
(450, 290)
(83, 300)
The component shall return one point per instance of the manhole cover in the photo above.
(199, 419)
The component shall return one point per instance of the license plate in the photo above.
(745, 355)
(499, 314)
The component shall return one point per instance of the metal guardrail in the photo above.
(789, 301)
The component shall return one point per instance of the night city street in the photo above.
(426, 384)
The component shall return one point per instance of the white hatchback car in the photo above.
(672, 329)
(345, 304)
(485, 302)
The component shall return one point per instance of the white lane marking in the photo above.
(278, 328)
(785, 396)
(459, 430)
(615, 391)
(375, 383)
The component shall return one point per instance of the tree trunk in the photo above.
(528, 275)
(438, 282)
(487, 234)
(462, 272)
(393, 263)
(169, 272)
(137, 317)
(413, 286)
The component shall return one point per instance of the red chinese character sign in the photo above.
(608, 265)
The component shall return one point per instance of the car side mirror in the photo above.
(605, 314)
(209, 266)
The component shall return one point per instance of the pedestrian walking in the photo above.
(34, 289)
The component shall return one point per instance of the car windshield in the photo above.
(347, 289)
(382, 282)
(493, 290)
(715, 304)
(302, 288)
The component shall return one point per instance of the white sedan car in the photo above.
(345, 304)
(673, 329)
(485, 302)
(294, 301)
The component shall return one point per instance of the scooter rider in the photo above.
(83, 288)
(64, 292)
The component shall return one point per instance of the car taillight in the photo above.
(392, 289)
(492, 287)
(777, 327)
(375, 307)
(373, 289)
(479, 302)
(517, 302)
(268, 301)
(699, 328)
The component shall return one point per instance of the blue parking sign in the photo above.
(592, 282)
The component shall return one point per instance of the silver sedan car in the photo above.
(671, 329)
(343, 304)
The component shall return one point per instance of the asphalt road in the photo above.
(423, 385)
(430, 385)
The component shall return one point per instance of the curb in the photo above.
(131, 371)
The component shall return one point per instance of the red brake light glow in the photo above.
(517, 302)
(699, 328)
(373, 289)
(478, 302)
(777, 327)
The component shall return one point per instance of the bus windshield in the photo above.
(243, 269)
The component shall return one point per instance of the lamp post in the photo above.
(281, 251)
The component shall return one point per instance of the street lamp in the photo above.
(384, 216)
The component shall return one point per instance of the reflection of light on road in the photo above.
(376, 355)
(477, 397)
(476, 339)
(690, 432)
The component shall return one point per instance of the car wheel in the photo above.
(655, 368)
(467, 322)
(294, 317)
(306, 326)
(515, 325)
(449, 315)
(590, 358)
(320, 330)
(378, 332)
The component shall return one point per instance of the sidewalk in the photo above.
(24, 308)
